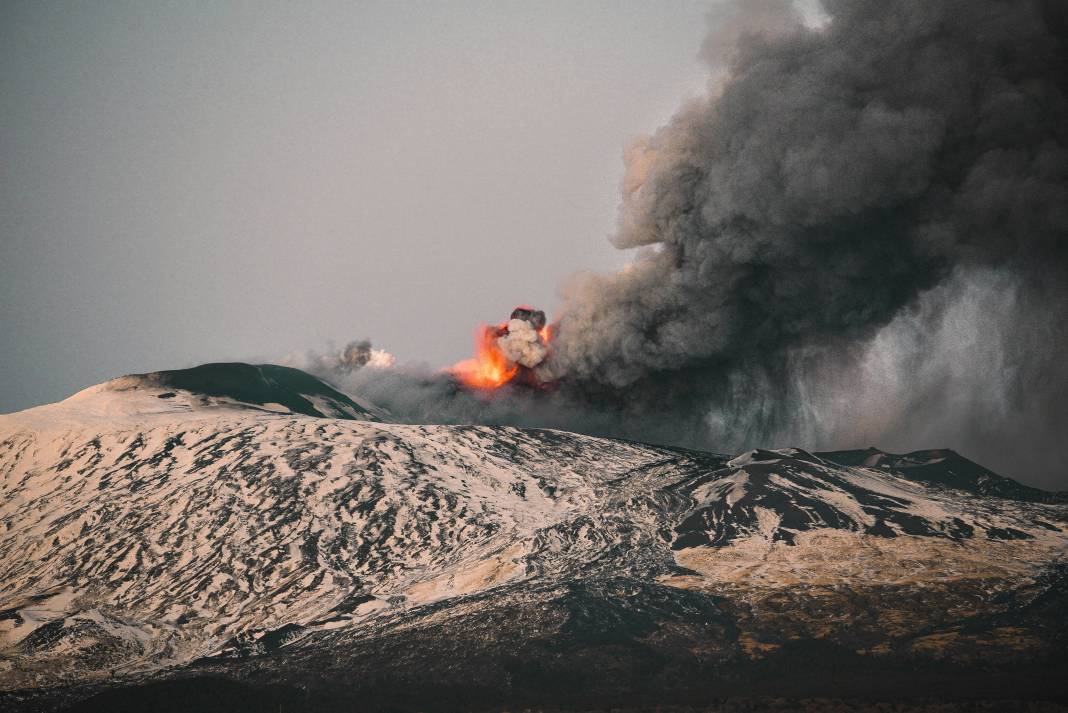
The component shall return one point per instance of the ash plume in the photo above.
(839, 174)
(806, 229)
(834, 178)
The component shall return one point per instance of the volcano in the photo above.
(239, 537)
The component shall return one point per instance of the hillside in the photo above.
(253, 526)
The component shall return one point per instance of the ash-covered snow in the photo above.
(146, 526)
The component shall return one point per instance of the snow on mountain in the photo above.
(231, 516)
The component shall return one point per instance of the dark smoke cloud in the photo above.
(834, 178)
(808, 234)
(839, 174)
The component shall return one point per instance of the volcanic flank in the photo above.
(233, 537)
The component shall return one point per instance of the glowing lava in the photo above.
(489, 369)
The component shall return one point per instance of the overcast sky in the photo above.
(201, 181)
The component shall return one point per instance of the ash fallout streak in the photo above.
(848, 205)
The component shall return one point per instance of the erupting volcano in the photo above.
(507, 352)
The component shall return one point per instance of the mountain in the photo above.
(237, 537)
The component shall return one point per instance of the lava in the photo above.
(489, 369)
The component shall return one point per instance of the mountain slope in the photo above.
(946, 468)
(202, 392)
(204, 522)
(263, 384)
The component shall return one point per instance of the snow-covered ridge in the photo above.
(781, 493)
(159, 519)
(199, 392)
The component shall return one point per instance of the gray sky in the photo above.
(198, 181)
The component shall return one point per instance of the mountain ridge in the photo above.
(151, 539)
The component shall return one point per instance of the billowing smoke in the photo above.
(339, 363)
(834, 178)
(522, 345)
(840, 173)
(857, 237)
(360, 353)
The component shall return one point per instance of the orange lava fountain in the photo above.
(489, 369)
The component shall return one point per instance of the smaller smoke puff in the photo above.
(522, 344)
(351, 358)
(360, 353)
